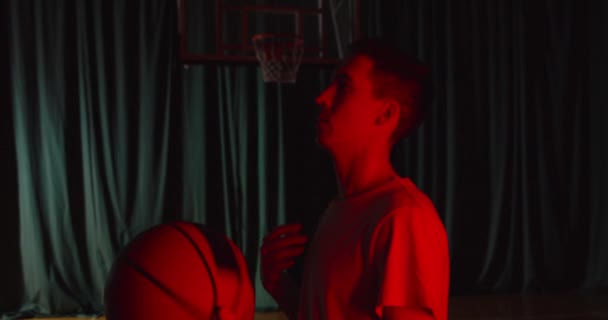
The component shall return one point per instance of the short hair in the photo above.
(400, 76)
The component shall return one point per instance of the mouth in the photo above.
(323, 119)
(322, 124)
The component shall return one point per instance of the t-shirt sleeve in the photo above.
(411, 261)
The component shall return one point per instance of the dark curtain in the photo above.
(10, 268)
(93, 113)
(596, 268)
(506, 153)
(106, 134)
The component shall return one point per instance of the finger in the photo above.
(284, 254)
(283, 245)
(275, 271)
(283, 230)
(279, 259)
(275, 257)
(277, 267)
(284, 267)
(285, 242)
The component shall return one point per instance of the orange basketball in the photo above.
(179, 271)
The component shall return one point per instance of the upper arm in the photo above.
(410, 258)
(403, 313)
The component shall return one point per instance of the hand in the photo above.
(279, 249)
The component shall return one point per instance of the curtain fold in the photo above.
(596, 272)
(233, 158)
(91, 146)
(504, 153)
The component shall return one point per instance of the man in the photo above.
(380, 250)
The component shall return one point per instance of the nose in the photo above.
(325, 99)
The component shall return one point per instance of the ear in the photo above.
(389, 112)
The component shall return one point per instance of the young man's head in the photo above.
(378, 96)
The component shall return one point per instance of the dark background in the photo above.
(10, 272)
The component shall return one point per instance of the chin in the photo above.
(326, 145)
(322, 138)
(321, 142)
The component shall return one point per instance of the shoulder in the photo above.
(410, 215)
(407, 195)
(404, 201)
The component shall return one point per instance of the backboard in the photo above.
(220, 31)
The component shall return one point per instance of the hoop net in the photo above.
(279, 55)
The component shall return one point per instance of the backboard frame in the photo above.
(245, 46)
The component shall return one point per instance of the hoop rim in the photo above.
(262, 36)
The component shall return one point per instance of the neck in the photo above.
(362, 171)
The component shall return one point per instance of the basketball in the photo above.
(179, 271)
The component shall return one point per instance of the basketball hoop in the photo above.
(279, 55)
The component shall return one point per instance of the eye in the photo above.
(342, 91)
(341, 84)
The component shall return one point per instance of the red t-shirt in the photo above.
(386, 247)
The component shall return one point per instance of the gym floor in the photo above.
(503, 307)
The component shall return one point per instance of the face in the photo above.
(348, 114)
